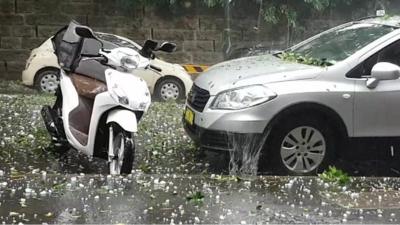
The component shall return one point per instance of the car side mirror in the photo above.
(383, 71)
(167, 47)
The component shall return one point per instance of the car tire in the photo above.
(169, 88)
(300, 146)
(47, 80)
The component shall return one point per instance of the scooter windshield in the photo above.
(67, 45)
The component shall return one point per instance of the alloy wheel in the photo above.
(303, 149)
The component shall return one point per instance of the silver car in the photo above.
(340, 84)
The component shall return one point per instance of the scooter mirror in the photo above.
(148, 48)
(150, 44)
(167, 47)
(87, 33)
(84, 32)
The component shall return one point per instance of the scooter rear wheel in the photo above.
(124, 152)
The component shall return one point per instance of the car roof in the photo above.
(393, 21)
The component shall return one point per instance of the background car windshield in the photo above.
(117, 41)
(341, 43)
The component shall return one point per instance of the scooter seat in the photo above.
(87, 86)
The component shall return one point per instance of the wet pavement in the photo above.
(40, 185)
(140, 198)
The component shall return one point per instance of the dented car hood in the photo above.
(262, 69)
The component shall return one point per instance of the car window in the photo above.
(337, 45)
(389, 54)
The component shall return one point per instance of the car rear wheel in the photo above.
(47, 80)
(170, 88)
(300, 146)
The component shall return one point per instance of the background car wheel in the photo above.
(300, 146)
(47, 80)
(170, 88)
(124, 150)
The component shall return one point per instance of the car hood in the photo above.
(253, 70)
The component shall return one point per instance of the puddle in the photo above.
(369, 200)
(162, 199)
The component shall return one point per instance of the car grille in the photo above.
(209, 139)
(216, 140)
(198, 98)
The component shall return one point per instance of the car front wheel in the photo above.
(170, 89)
(302, 146)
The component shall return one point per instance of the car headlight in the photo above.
(243, 97)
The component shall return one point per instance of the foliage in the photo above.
(40, 139)
(276, 11)
(295, 57)
(227, 178)
(213, 3)
(197, 197)
(336, 176)
(59, 187)
(145, 168)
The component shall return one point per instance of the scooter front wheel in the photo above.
(124, 153)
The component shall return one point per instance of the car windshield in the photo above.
(336, 45)
(117, 41)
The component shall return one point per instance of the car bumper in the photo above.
(27, 77)
(215, 140)
(216, 130)
(209, 139)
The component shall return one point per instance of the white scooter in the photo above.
(99, 102)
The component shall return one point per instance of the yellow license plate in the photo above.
(189, 116)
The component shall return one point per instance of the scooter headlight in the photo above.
(243, 97)
(130, 63)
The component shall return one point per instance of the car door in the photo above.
(377, 110)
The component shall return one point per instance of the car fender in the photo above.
(172, 70)
(186, 80)
(124, 118)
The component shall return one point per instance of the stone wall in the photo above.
(198, 31)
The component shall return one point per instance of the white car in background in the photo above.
(172, 82)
